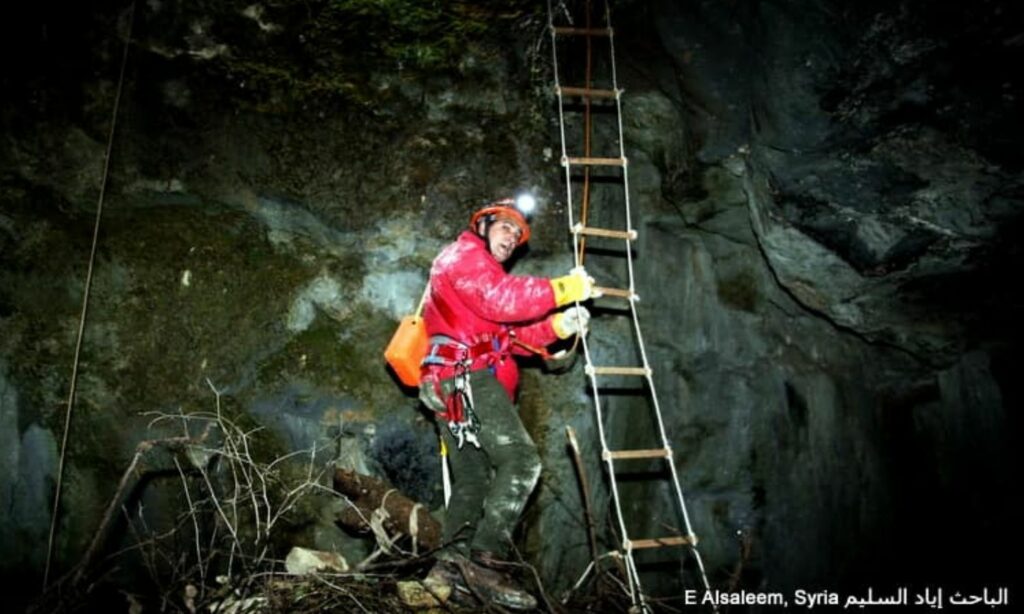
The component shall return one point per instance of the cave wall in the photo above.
(846, 268)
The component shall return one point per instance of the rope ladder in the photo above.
(581, 229)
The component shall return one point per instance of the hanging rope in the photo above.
(85, 303)
(587, 130)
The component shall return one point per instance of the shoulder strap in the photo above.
(423, 300)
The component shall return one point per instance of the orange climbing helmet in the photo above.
(514, 209)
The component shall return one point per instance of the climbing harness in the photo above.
(580, 231)
(456, 361)
(462, 419)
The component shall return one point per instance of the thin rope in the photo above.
(634, 587)
(639, 335)
(85, 303)
(576, 256)
(587, 129)
(423, 300)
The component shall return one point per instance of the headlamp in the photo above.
(526, 204)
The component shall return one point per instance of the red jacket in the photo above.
(480, 300)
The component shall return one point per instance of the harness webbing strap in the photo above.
(448, 315)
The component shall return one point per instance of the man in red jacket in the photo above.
(478, 317)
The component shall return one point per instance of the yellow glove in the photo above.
(572, 321)
(576, 286)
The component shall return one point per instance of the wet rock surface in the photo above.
(876, 150)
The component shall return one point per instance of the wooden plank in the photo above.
(616, 292)
(568, 31)
(597, 161)
(634, 454)
(590, 231)
(658, 542)
(586, 93)
(618, 370)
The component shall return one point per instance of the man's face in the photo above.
(502, 239)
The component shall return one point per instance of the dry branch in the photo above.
(402, 514)
(131, 476)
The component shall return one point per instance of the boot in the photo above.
(498, 588)
(490, 560)
(448, 573)
(471, 579)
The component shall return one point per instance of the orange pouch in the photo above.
(407, 348)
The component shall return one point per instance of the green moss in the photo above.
(199, 304)
(42, 270)
(420, 35)
(343, 354)
(151, 339)
(344, 42)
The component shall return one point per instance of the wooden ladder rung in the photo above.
(586, 92)
(617, 370)
(590, 231)
(659, 542)
(616, 292)
(633, 454)
(596, 161)
(583, 31)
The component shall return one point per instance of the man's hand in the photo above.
(572, 321)
(576, 286)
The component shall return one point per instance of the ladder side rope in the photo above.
(636, 322)
(85, 302)
(636, 590)
(634, 580)
(633, 584)
(587, 84)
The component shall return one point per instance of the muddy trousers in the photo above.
(490, 485)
